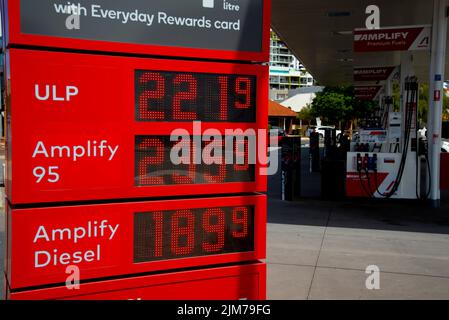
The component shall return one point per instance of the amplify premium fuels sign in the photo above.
(222, 29)
(373, 73)
(392, 39)
(366, 93)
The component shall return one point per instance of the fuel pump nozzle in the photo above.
(365, 162)
(359, 162)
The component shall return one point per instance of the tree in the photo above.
(446, 109)
(306, 114)
(423, 103)
(337, 104)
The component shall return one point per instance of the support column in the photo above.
(437, 67)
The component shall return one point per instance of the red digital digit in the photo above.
(217, 228)
(241, 151)
(189, 176)
(194, 232)
(240, 218)
(148, 95)
(158, 220)
(148, 161)
(243, 88)
(220, 176)
(223, 82)
(187, 218)
(189, 95)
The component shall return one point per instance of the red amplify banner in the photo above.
(373, 73)
(367, 93)
(392, 39)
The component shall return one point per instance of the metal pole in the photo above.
(432, 68)
(436, 107)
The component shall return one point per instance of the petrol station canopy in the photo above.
(320, 33)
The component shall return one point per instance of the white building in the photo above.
(286, 71)
(300, 98)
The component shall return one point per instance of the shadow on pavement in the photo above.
(407, 216)
(380, 214)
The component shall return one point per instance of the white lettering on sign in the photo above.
(227, 25)
(51, 92)
(92, 149)
(91, 230)
(164, 18)
(382, 36)
(152, 18)
(370, 71)
(70, 9)
(43, 259)
(122, 16)
(230, 7)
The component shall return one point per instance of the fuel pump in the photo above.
(386, 151)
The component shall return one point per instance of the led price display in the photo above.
(127, 113)
(163, 235)
(176, 97)
(122, 238)
(154, 167)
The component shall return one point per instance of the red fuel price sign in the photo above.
(88, 127)
(109, 240)
(196, 29)
(236, 282)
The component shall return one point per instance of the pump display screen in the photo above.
(166, 235)
(174, 96)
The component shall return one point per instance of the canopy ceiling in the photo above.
(319, 32)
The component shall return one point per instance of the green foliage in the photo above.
(306, 114)
(423, 104)
(336, 104)
(396, 97)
